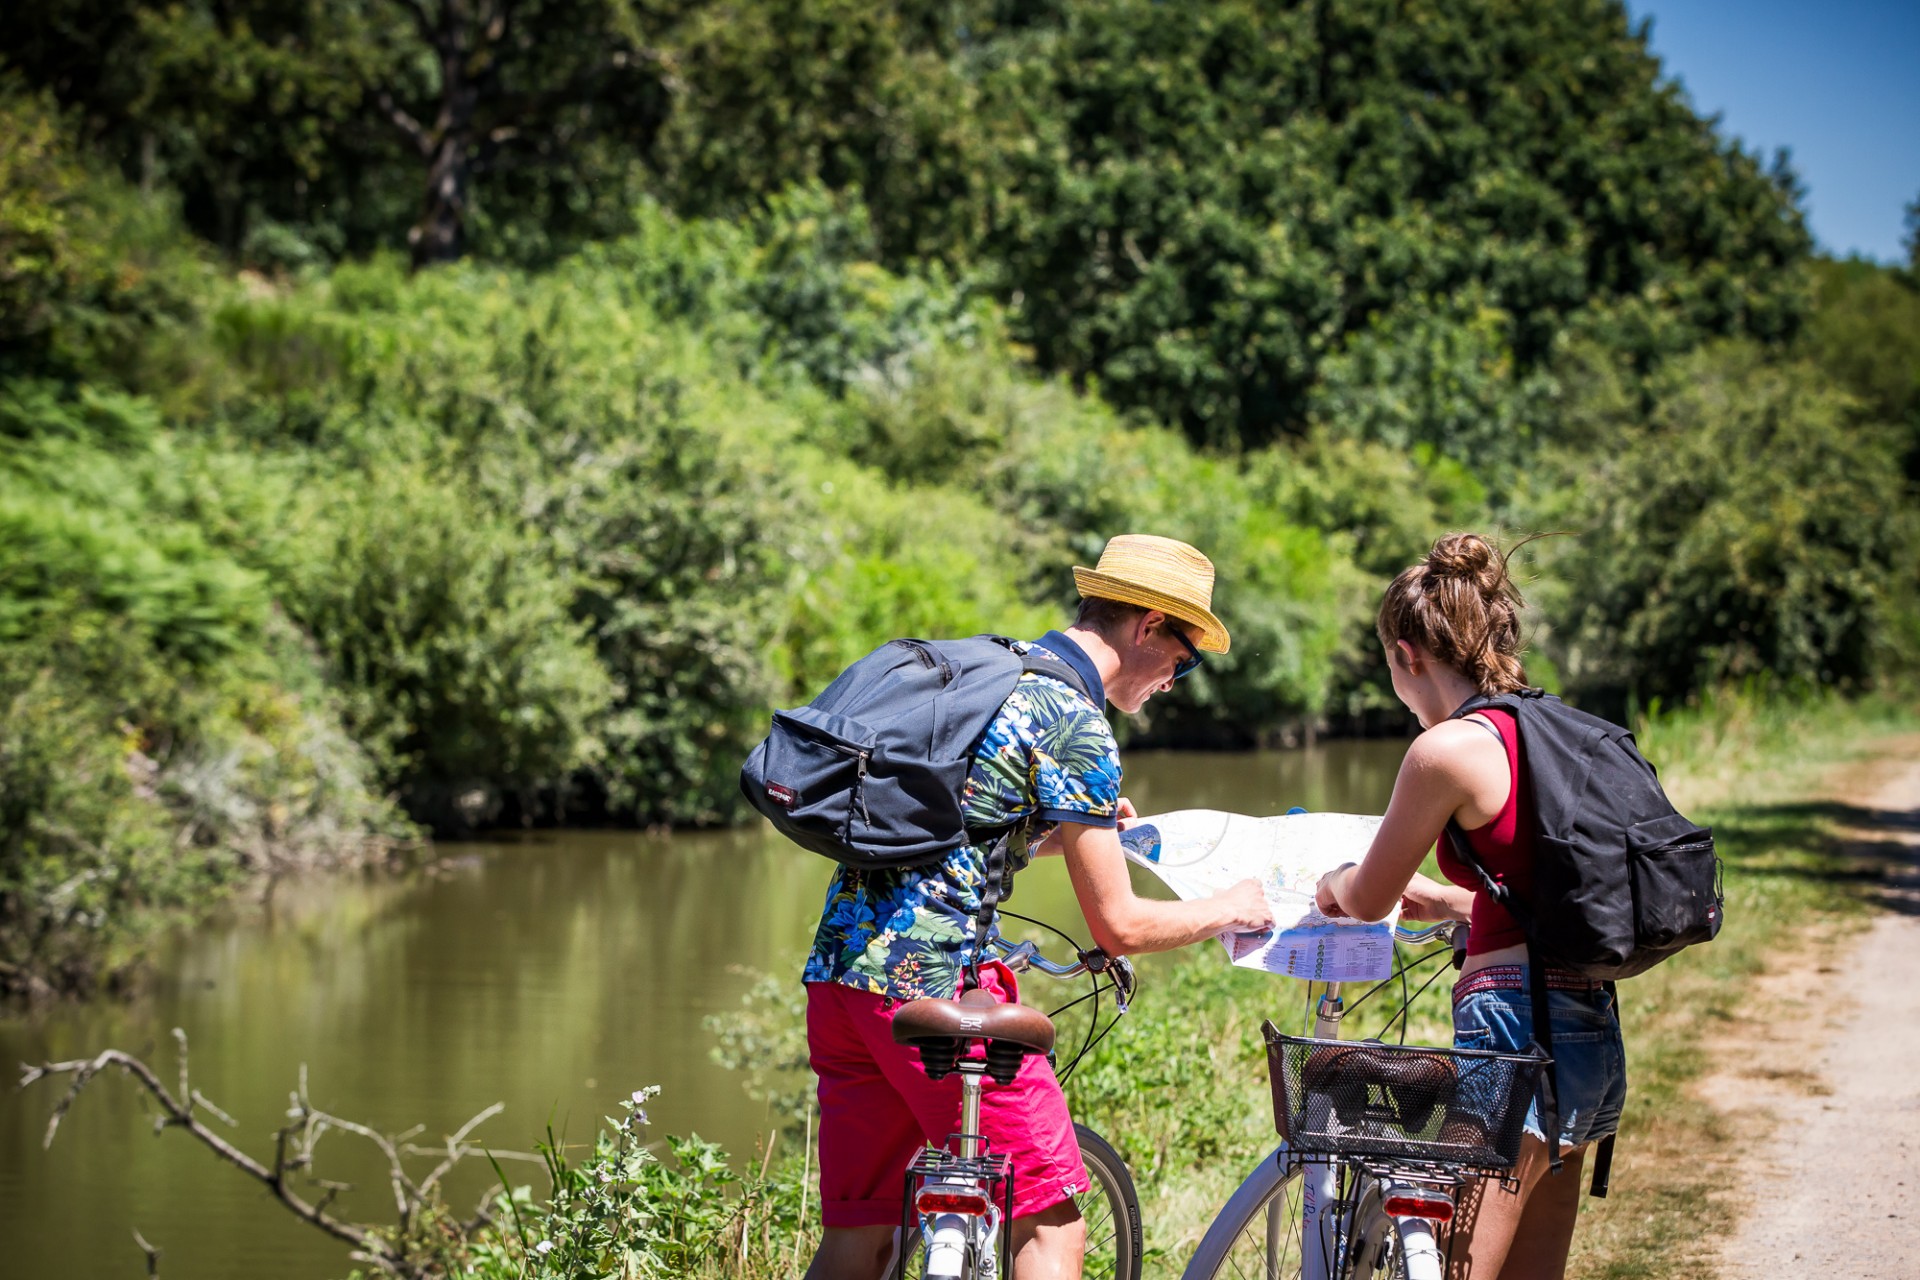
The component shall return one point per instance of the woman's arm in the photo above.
(1451, 769)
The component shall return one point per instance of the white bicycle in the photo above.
(1377, 1142)
(956, 1214)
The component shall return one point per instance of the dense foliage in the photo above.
(783, 329)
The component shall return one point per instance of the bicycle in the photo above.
(1377, 1142)
(957, 1207)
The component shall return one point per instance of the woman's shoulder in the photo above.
(1458, 749)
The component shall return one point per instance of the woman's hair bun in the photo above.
(1471, 558)
(1461, 607)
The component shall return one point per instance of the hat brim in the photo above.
(1213, 636)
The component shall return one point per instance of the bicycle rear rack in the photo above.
(993, 1172)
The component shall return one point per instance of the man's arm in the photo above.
(1123, 923)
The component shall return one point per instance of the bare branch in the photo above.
(454, 1148)
(153, 1254)
(415, 131)
(201, 1099)
(177, 1113)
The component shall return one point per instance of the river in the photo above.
(554, 973)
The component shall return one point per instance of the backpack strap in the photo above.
(1010, 844)
(1547, 1091)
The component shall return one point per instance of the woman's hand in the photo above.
(1323, 896)
(1428, 899)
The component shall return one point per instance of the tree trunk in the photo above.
(439, 235)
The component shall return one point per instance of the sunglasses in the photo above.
(1192, 661)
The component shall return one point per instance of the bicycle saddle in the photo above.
(1329, 1065)
(938, 1028)
(1365, 1083)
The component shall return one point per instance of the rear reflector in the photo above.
(937, 1199)
(1420, 1204)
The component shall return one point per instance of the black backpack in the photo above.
(1620, 880)
(871, 773)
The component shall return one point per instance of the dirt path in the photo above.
(1829, 1088)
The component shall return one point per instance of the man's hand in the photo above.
(1248, 903)
(1128, 815)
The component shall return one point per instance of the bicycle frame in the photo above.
(963, 1197)
(964, 1227)
(1321, 1224)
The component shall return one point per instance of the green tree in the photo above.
(1752, 520)
(1217, 200)
(1864, 332)
(86, 264)
(1913, 235)
(320, 126)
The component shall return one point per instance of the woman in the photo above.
(1451, 629)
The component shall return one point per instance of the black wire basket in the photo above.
(1461, 1108)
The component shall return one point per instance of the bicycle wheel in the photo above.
(1257, 1235)
(1109, 1206)
(1111, 1210)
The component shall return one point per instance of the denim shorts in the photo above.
(1589, 1060)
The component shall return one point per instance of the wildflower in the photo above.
(544, 1248)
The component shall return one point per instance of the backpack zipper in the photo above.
(929, 659)
(860, 784)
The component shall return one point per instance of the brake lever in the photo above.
(1118, 970)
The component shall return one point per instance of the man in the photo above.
(887, 937)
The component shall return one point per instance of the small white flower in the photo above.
(639, 1096)
(544, 1247)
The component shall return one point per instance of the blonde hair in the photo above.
(1460, 606)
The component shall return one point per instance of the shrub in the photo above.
(1752, 520)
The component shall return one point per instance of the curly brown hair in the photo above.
(1460, 605)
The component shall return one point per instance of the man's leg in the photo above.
(853, 1253)
(1026, 1121)
(1050, 1244)
(868, 1134)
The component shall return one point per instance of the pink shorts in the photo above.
(877, 1109)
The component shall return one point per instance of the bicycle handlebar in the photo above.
(1020, 957)
(1442, 932)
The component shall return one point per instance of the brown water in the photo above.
(554, 973)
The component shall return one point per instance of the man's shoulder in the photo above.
(1058, 699)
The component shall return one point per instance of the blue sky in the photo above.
(1837, 83)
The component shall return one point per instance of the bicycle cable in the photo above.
(1094, 991)
(1400, 974)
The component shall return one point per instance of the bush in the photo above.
(134, 787)
(87, 265)
(1752, 520)
(449, 631)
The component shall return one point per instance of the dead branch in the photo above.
(153, 1254)
(294, 1145)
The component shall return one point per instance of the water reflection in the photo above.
(554, 973)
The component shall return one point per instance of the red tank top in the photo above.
(1504, 845)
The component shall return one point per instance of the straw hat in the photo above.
(1157, 573)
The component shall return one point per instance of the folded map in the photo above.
(1196, 852)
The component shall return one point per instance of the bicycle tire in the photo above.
(1257, 1233)
(1110, 1207)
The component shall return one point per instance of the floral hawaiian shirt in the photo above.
(908, 932)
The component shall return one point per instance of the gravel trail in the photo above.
(1832, 1189)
